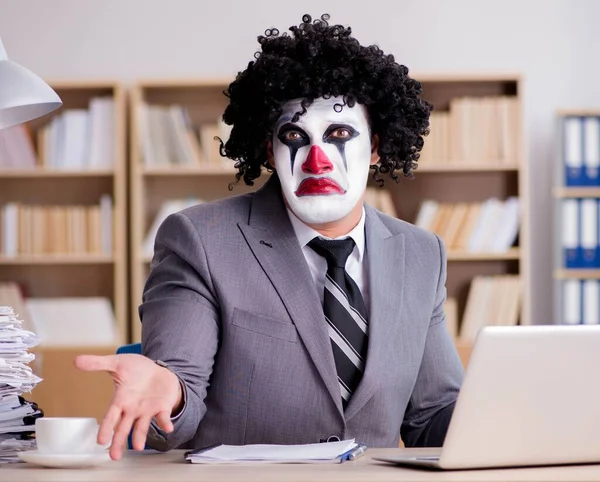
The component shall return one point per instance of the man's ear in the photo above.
(374, 148)
(270, 157)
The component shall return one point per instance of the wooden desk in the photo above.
(171, 466)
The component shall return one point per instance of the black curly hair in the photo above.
(323, 60)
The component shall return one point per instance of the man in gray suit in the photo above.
(297, 314)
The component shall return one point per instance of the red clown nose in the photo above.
(317, 162)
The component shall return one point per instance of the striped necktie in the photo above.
(345, 313)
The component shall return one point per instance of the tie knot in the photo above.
(335, 251)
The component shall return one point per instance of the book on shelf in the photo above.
(51, 230)
(489, 226)
(169, 138)
(81, 321)
(475, 130)
(492, 300)
(17, 150)
(79, 139)
(581, 150)
(210, 135)
(168, 207)
(66, 321)
(580, 302)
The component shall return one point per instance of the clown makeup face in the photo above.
(323, 159)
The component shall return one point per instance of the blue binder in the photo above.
(571, 233)
(573, 148)
(591, 150)
(588, 229)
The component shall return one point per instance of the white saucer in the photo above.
(64, 460)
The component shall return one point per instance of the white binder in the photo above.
(572, 302)
(591, 150)
(591, 302)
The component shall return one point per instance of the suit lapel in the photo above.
(272, 239)
(385, 254)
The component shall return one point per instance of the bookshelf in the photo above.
(475, 152)
(159, 174)
(577, 217)
(59, 271)
(60, 240)
(451, 180)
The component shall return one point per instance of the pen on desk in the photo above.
(357, 452)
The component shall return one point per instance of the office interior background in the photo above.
(144, 53)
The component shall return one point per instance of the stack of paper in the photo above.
(17, 416)
(330, 452)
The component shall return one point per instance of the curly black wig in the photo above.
(322, 60)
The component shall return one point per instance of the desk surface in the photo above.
(170, 466)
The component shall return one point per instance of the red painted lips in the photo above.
(321, 186)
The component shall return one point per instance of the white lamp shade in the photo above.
(23, 95)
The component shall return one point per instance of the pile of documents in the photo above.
(330, 452)
(17, 416)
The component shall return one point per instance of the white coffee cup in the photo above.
(66, 435)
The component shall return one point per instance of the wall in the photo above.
(548, 41)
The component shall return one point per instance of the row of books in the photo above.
(60, 322)
(490, 226)
(17, 150)
(75, 139)
(492, 300)
(168, 137)
(41, 230)
(580, 302)
(481, 130)
(581, 150)
(580, 238)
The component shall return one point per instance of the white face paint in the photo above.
(323, 159)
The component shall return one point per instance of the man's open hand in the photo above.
(143, 391)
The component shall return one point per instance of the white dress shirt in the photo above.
(356, 265)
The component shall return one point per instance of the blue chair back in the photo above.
(136, 349)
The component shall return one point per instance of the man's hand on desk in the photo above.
(143, 391)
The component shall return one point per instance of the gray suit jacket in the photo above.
(231, 307)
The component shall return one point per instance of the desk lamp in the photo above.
(23, 95)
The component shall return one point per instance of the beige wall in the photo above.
(549, 41)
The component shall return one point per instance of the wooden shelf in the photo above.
(463, 180)
(41, 173)
(465, 167)
(577, 274)
(182, 171)
(150, 186)
(466, 77)
(513, 253)
(578, 112)
(182, 83)
(74, 275)
(50, 259)
(563, 192)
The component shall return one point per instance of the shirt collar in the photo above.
(305, 233)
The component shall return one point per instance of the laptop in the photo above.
(530, 397)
